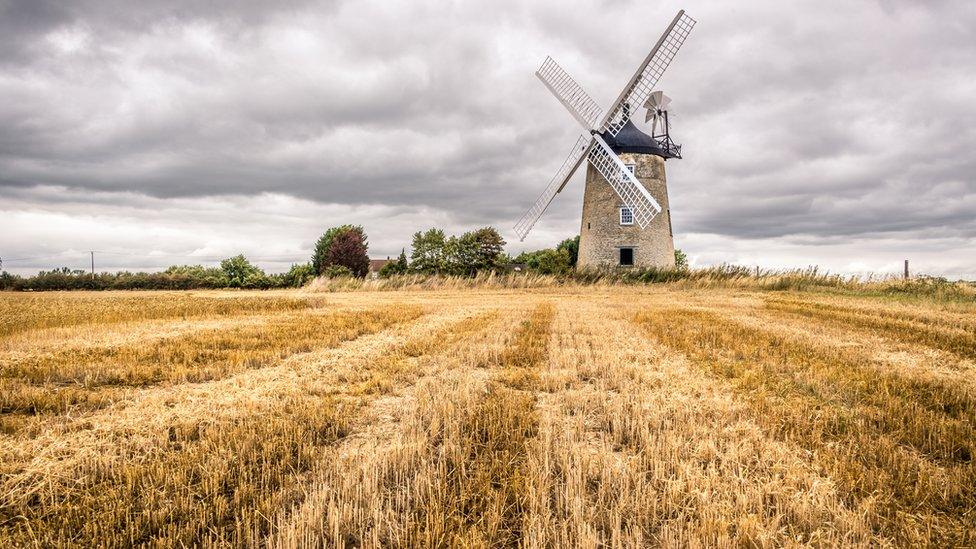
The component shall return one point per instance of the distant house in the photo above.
(375, 265)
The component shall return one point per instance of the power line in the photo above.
(71, 256)
(33, 258)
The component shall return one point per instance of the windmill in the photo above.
(625, 182)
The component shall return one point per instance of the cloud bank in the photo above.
(831, 133)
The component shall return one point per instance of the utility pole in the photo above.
(906, 269)
(92, 252)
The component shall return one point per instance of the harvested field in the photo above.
(543, 417)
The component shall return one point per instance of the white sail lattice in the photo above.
(572, 96)
(623, 182)
(556, 184)
(642, 83)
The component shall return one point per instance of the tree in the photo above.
(396, 267)
(680, 259)
(240, 272)
(401, 262)
(458, 255)
(472, 252)
(571, 245)
(320, 256)
(427, 255)
(348, 249)
(489, 246)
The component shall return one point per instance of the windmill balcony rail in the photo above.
(669, 146)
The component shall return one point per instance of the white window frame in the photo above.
(629, 212)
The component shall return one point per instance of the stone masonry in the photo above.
(602, 235)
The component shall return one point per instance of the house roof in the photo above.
(377, 264)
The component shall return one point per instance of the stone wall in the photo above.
(602, 235)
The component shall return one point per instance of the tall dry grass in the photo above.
(925, 289)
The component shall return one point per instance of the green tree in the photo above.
(427, 254)
(457, 255)
(401, 262)
(320, 256)
(240, 273)
(472, 252)
(396, 267)
(680, 259)
(489, 247)
(571, 245)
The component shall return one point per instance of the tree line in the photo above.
(341, 251)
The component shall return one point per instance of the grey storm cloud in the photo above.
(809, 120)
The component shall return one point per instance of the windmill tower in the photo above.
(626, 187)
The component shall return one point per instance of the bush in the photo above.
(298, 275)
(234, 272)
(551, 262)
(680, 259)
(571, 245)
(240, 273)
(337, 271)
(213, 277)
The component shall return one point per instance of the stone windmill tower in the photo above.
(626, 187)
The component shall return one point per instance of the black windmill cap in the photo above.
(631, 140)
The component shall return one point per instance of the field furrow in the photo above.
(444, 467)
(29, 312)
(81, 380)
(898, 444)
(637, 448)
(280, 439)
(890, 354)
(950, 333)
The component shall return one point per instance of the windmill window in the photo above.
(626, 257)
(626, 216)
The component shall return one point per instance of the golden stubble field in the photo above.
(554, 417)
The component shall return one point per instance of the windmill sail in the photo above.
(623, 182)
(642, 83)
(608, 124)
(583, 108)
(556, 184)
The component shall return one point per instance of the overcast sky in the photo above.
(831, 133)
